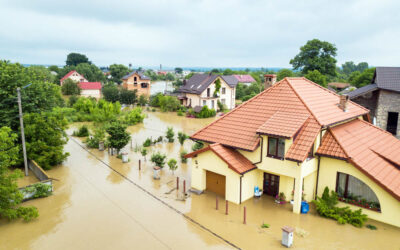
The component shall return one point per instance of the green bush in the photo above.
(182, 137)
(326, 207)
(70, 87)
(206, 112)
(39, 189)
(147, 142)
(158, 159)
(99, 135)
(170, 134)
(72, 100)
(133, 117)
(169, 103)
(198, 145)
(83, 131)
(183, 159)
(180, 113)
(172, 164)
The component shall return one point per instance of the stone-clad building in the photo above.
(382, 98)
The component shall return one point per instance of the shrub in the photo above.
(155, 100)
(183, 159)
(144, 152)
(198, 145)
(70, 87)
(39, 189)
(72, 100)
(170, 134)
(206, 112)
(172, 164)
(180, 113)
(158, 159)
(99, 135)
(159, 139)
(147, 142)
(111, 93)
(83, 131)
(326, 207)
(127, 96)
(118, 137)
(169, 103)
(133, 117)
(182, 137)
(143, 100)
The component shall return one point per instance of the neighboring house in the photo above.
(269, 80)
(338, 86)
(199, 91)
(245, 79)
(73, 75)
(90, 89)
(297, 138)
(382, 98)
(137, 81)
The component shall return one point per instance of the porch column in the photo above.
(297, 195)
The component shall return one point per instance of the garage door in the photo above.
(215, 183)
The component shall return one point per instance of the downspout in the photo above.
(240, 197)
(319, 162)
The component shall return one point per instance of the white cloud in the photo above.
(253, 33)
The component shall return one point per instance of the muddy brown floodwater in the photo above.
(101, 203)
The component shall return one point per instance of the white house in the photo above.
(74, 76)
(199, 90)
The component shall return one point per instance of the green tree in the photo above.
(168, 103)
(182, 137)
(10, 197)
(40, 73)
(144, 153)
(54, 68)
(158, 159)
(133, 116)
(118, 137)
(316, 55)
(284, 73)
(118, 71)
(172, 164)
(227, 72)
(127, 96)
(215, 71)
(70, 87)
(170, 134)
(91, 72)
(178, 70)
(143, 100)
(183, 158)
(45, 138)
(169, 77)
(316, 77)
(364, 78)
(111, 93)
(74, 59)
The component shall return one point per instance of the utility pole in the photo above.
(21, 121)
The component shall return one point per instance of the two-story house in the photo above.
(74, 76)
(137, 81)
(382, 98)
(297, 138)
(88, 89)
(200, 90)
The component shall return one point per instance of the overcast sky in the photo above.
(211, 33)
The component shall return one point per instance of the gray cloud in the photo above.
(219, 33)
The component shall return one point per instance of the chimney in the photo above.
(344, 100)
(184, 82)
(269, 80)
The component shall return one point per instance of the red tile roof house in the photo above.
(297, 138)
(245, 79)
(88, 89)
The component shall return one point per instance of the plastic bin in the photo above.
(305, 207)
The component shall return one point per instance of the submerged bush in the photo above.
(183, 159)
(133, 117)
(198, 145)
(326, 207)
(170, 134)
(205, 112)
(158, 159)
(83, 131)
(99, 135)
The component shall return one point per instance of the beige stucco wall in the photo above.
(390, 207)
(75, 77)
(91, 92)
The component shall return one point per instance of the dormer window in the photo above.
(276, 148)
(135, 79)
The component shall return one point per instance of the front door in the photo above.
(271, 184)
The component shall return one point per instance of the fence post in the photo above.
(184, 186)
(216, 202)
(226, 207)
(177, 183)
(139, 165)
(244, 215)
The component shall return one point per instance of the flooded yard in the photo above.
(101, 203)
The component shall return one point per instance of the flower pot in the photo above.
(101, 146)
(156, 173)
(124, 157)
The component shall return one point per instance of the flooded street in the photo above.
(101, 203)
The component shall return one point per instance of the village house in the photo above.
(297, 138)
(245, 79)
(199, 90)
(74, 76)
(88, 89)
(382, 98)
(269, 80)
(137, 81)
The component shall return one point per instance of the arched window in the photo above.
(354, 191)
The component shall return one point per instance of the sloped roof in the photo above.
(330, 147)
(68, 75)
(363, 90)
(297, 96)
(235, 160)
(244, 78)
(283, 124)
(373, 151)
(90, 85)
(199, 82)
(303, 142)
(387, 78)
(141, 75)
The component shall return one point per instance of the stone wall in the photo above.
(369, 101)
(388, 101)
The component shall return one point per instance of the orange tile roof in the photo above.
(298, 96)
(330, 147)
(372, 150)
(298, 151)
(283, 124)
(235, 160)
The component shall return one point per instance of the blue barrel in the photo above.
(305, 207)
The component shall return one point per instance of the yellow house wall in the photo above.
(249, 181)
(390, 207)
